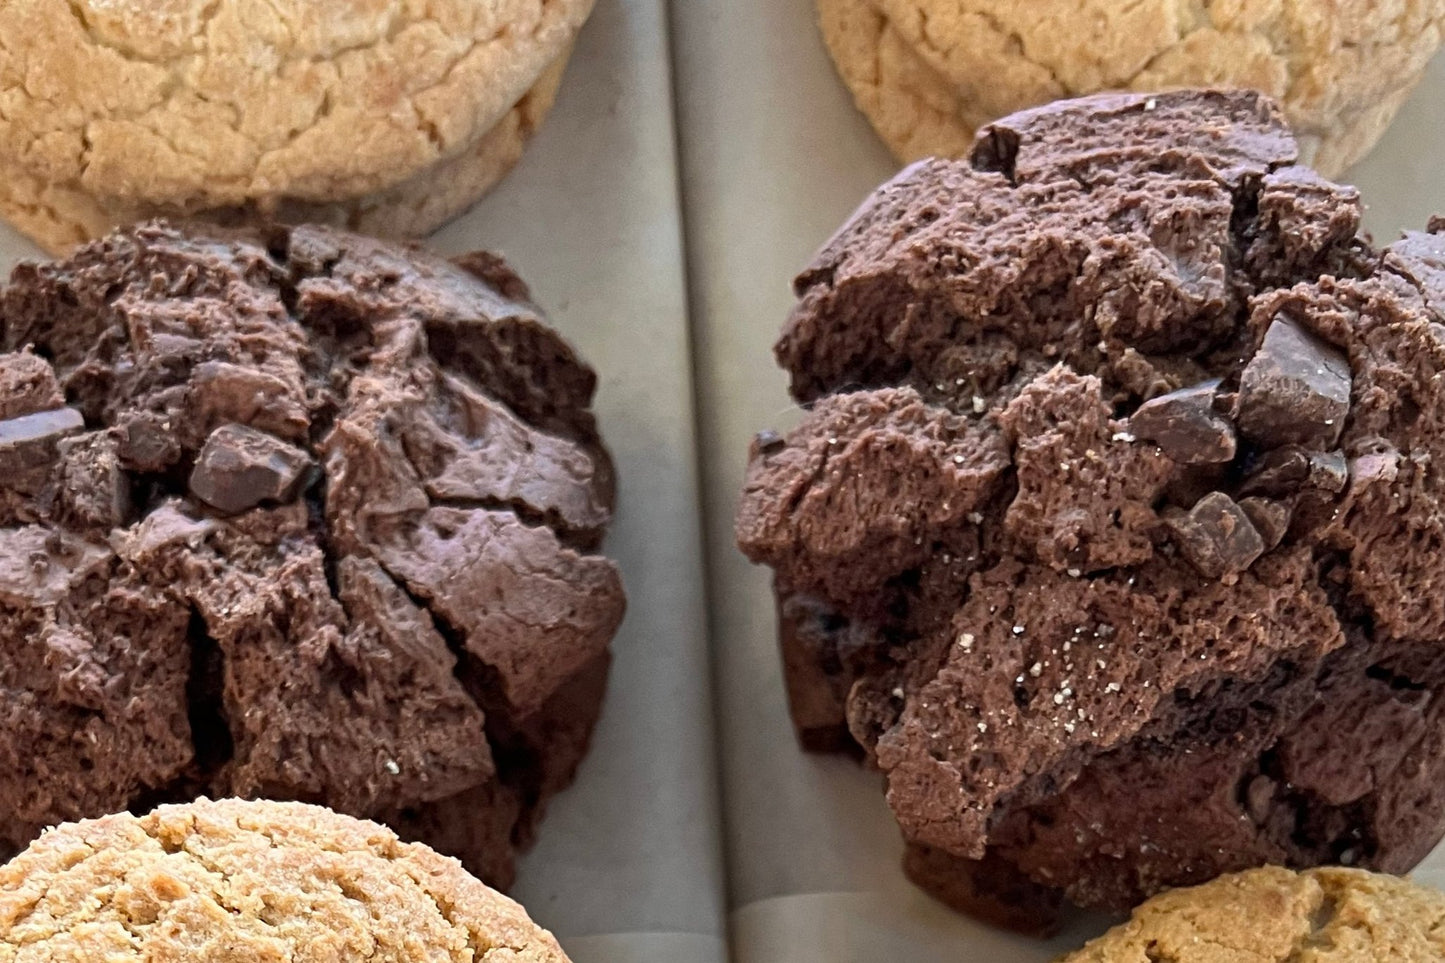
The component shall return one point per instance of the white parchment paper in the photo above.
(774, 158)
(628, 864)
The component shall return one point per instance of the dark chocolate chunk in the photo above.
(21, 436)
(240, 467)
(29, 445)
(1287, 470)
(768, 442)
(148, 443)
(1216, 536)
(1186, 426)
(1270, 518)
(1296, 389)
(1280, 472)
(1329, 471)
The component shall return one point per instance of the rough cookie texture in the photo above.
(1113, 532)
(928, 73)
(308, 516)
(233, 880)
(374, 115)
(1269, 914)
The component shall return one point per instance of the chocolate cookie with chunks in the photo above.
(1113, 534)
(303, 516)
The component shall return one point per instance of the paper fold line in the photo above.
(646, 948)
(828, 927)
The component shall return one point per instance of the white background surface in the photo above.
(628, 866)
(628, 862)
(774, 158)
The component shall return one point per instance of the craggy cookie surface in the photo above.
(230, 881)
(110, 111)
(1272, 914)
(928, 73)
(1113, 534)
(307, 517)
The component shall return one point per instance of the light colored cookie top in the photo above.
(216, 103)
(929, 72)
(1272, 914)
(232, 881)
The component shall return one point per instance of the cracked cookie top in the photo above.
(1113, 533)
(929, 73)
(1334, 915)
(113, 108)
(306, 516)
(234, 880)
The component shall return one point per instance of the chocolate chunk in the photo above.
(148, 443)
(1269, 518)
(1216, 536)
(21, 437)
(768, 442)
(1329, 471)
(240, 467)
(1296, 390)
(1186, 426)
(1287, 470)
(1280, 472)
(29, 445)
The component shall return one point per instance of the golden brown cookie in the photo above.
(928, 73)
(232, 881)
(381, 116)
(1271, 914)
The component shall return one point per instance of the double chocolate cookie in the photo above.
(304, 516)
(1113, 534)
